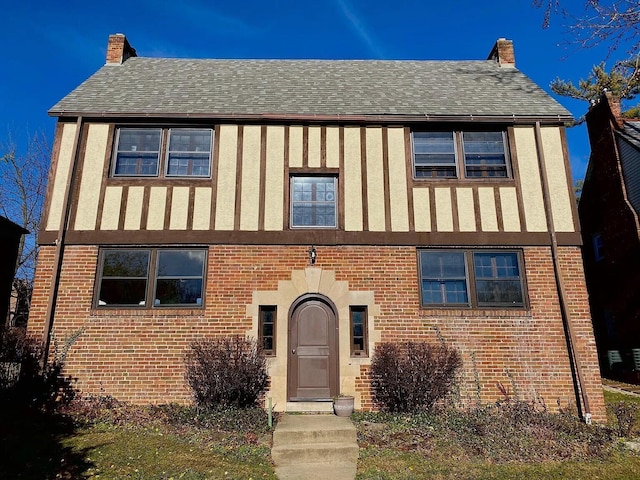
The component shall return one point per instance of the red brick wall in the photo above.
(138, 355)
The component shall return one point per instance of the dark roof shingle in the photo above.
(161, 86)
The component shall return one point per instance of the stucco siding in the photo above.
(92, 177)
(531, 187)
(65, 156)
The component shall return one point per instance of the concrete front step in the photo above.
(317, 471)
(314, 447)
(307, 429)
(325, 453)
(310, 407)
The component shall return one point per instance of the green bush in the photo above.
(226, 371)
(412, 376)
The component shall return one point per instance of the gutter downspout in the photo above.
(574, 357)
(60, 239)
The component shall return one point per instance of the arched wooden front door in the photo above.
(313, 350)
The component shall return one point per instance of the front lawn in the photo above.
(109, 440)
(104, 439)
(511, 441)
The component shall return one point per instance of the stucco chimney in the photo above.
(502, 53)
(118, 49)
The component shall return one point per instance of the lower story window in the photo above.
(151, 277)
(267, 329)
(358, 320)
(450, 278)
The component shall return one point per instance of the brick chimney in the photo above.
(119, 50)
(502, 52)
(604, 111)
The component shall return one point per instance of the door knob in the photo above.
(293, 352)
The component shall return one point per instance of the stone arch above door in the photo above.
(314, 280)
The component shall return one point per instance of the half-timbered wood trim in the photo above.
(190, 208)
(305, 146)
(123, 208)
(75, 193)
(263, 177)
(105, 175)
(496, 199)
(238, 204)
(168, 203)
(387, 186)
(315, 237)
(286, 184)
(432, 209)
(515, 168)
(145, 208)
(409, 174)
(341, 180)
(323, 146)
(363, 172)
(454, 209)
(215, 178)
(476, 207)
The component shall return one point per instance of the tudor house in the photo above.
(321, 207)
(609, 212)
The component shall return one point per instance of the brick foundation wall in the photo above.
(137, 355)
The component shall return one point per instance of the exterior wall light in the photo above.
(313, 254)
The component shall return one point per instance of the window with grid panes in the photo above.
(459, 154)
(481, 279)
(267, 329)
(184, 152)
(313, 202)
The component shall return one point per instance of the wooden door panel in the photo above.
(312, 351)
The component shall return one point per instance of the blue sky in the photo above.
(51, 47)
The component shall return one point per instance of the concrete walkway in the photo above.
(310, 447)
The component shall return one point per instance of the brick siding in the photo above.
(137, 355)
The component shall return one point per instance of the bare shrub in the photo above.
(412, 376)
(226, 371)
(627, 415)
(23, 381)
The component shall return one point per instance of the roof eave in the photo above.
(368, 118)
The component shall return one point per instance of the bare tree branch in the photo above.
(611, 22)
(22, 191)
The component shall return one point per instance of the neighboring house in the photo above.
(321, 207)
(11, 238)
(609, 209)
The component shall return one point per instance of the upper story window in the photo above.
(457, 154)
(183, 152)
(314, 202)
(480, 279)
(484, 154)
(138, 152)
(434, 155)
(151, 277)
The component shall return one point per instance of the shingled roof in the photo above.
(244, 88)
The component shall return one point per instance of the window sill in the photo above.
(145, 312)
(476, 312)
